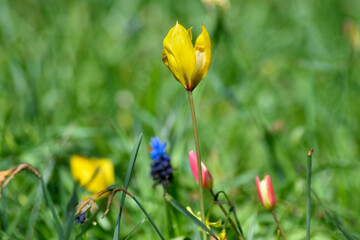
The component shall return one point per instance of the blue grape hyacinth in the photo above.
(161, 170)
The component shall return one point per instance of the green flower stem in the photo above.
(230, 220)
(308, 190)
(197, 147)
(278, 224)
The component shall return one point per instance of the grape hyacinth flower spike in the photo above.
(161, 170)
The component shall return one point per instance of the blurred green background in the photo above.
(86, 77)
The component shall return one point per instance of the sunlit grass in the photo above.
(86, 77)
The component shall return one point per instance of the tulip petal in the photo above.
(193, 165)
(206, 176)
(270, 191)
(203, 57)
(179, 54)
(257, 180)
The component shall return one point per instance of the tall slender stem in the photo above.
(278, 224)
(308, 190)
(197, 148)
(230, 220)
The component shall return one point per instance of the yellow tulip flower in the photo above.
(91, 173)
(189, 64)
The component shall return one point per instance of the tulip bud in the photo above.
(266, 192)
(206, 176)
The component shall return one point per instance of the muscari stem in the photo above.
(197, 148)
(308, 190)
(230, 220)
(278, 224)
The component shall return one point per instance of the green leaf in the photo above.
(126, 184)
(187, 214)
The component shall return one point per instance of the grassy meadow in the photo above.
(86, 77)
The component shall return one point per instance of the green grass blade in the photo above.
(147, 215)
(52, 209)
(187, 214)
(126, 183)
(14, 223)
(70, 213)
(308, 190)
(135, 228)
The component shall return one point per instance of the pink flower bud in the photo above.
(266, 192)
(206, 176)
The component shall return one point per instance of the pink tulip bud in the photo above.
(266, 192)
(206, 176)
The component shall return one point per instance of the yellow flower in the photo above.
(189, 64)
(208, 224)
(93, 174)
(222, 235)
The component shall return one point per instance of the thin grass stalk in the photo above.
(147, 215)
(126, 184)
(278, 224)
(113, 190)
(308, 190)
(135, 228)
(197, 148)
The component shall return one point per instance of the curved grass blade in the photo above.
(135, 228)
(187, 214)
(126, 183)
(147, 215)
(115, 189)
(52, 209)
